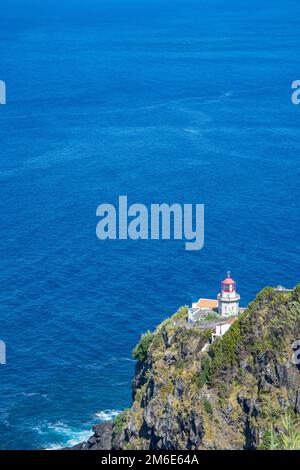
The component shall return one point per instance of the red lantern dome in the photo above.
(228, 285)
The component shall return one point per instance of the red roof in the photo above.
(207, 303)
(228, 280)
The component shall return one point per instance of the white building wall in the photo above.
(220, 330)
(229, 308)
(228, 295)
(190, 315)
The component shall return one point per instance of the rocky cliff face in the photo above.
(227, 397)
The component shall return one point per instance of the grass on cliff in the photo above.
(172, 358)
(264, 326)
(201, 378)
(120, 421)
(208, 407)
(141, 350)
(285, 436)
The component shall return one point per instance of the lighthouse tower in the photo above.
(228, 298)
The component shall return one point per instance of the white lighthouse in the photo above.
(228, 298)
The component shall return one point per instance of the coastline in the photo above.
(186, 397)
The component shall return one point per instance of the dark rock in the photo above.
(297, 403)
(170, 357)
(100, 440)
(179, 406)
(179, 388)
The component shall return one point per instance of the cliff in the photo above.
(232, 396)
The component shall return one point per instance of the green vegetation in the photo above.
(289, 437)
(260, 346)
(140, 351)
(286, 436)
(296, 292)
(201, 378)
(224, 351)
(243, 373)
(263, 327)
(211, 316)
(266, 294)
(207, 407)
(181, 314)
(120, 420)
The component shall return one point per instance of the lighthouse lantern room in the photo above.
(228, 298)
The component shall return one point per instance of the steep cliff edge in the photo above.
(226, 397)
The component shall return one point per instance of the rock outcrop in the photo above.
(227, 397)
(100, 440)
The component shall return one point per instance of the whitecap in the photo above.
(126, 359)
(107, 415)
(63, 434)
(192, 131)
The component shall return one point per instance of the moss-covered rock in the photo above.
(232, 395)
(227, 397)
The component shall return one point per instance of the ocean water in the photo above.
(186, 102)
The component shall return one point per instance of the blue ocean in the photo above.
(165, 102)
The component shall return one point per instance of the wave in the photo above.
(107, 415)
(192, 131)
(58, 434)
(61, 435)
(99, 365)
(74, 437)
(126, 359)
(34, 394)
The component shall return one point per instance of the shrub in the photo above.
(289, 436)
(266, 294)
(140, 351)
(224, 350)
(119, 421)
(296, 293)
(181, 314)
(207, 407)
(212, 316)
(202, 378)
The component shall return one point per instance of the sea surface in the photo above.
(176, 101)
